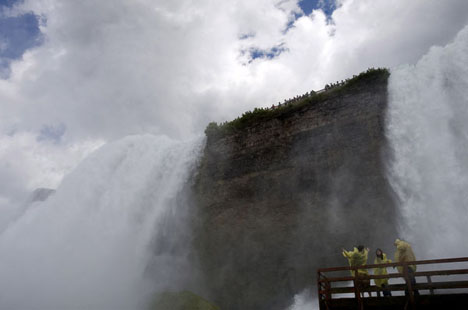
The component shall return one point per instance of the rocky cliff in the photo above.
(279, 195)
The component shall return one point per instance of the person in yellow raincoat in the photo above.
(381, 258)
(404, 253)
(358, 257)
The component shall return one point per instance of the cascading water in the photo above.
(87, 247)
(427, 127)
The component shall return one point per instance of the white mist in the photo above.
(87, 246)
(427, 127)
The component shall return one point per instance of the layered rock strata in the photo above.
(281, 197)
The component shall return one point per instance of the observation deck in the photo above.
(441, 283)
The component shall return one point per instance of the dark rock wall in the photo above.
(280, 198)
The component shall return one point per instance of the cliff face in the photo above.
(280, 197)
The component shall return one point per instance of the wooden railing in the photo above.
(327, 288)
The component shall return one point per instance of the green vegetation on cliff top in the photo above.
(215, 131)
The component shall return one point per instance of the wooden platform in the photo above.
(439, 288)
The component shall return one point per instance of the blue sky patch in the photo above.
(9, 3)
(266, 53)
(327, 6)
(17, 34)
(52, 133)
(246, 36)
(307, 6)
(291, 22)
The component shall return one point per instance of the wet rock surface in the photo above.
(280, 198)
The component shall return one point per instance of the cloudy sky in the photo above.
(76, 74)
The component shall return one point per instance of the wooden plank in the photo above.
(350, 278)
(442, 285)
(402, 287)
(400, 275)
(441, 272)
(420, 262)
(372, 288)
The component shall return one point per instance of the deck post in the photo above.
(328, 296)
(408, 283)
(429, 280)
(319, 287)
(357, 292)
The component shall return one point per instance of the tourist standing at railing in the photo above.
(381, 258)
(358, 257)
(404, 253)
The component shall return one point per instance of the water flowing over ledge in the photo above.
(427, 127)
(88, 245)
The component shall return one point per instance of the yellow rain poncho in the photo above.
(356, 258)
(404, 253)
(381, 271)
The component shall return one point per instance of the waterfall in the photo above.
(427, 127)
(88, 246)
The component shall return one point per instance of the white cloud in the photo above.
(111, 68)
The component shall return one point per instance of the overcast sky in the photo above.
(76, 74)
